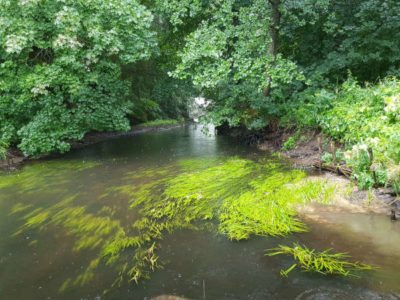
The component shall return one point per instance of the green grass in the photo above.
(160, 123)
(325, 262)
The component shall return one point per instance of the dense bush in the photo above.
(360, 117)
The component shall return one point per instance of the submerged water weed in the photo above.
(238, 197)
(246, 197)
(243, 197)
(324, 262)
(36, 176)
(96, 231)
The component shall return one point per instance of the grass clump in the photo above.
(325, 262)
(160, 122)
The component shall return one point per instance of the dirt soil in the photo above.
(15, 158)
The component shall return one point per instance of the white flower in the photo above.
(15, 43)
(357, 149)
(40, 89)
(67, 14)
(27, 2)
(373, 141)
(114, 50)
(392, 104)
(66, 41)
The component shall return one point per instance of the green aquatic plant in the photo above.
(325, 262)
(236, 197)
(97, 231)
(246, 197)
(50, 174)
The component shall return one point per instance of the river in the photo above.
(66, 230)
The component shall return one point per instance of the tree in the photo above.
(60, 68)
(328, 38)
(233, 56)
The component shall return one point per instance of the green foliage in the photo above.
(289, 144)
(69, 79)
(326, 38)
(360, 118)
(160, 122)
(145, 110)
(325, 262)
(227, 53)
(327, 158)
(3, 150)
(227, 56)
(174, 96)
(60, 68)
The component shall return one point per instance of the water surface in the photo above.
(56, 215)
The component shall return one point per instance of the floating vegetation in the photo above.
(237, 197)
(324, 262)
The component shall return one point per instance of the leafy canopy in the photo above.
(60, 68)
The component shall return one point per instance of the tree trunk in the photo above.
(274, 33)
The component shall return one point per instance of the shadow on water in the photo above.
(170, 207)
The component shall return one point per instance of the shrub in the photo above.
(289, 144)
(360, 117)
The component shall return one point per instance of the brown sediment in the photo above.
(15, 158)
(307, 153)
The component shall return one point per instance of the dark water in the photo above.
(37, 259)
